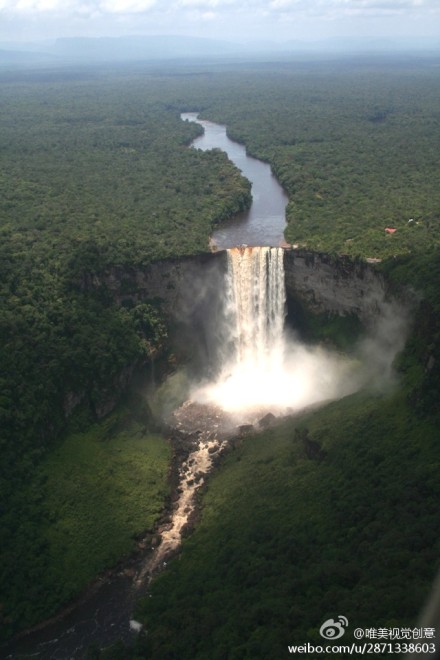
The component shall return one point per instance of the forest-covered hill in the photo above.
(96, 172)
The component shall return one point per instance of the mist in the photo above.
(282, 383)
(262, 367)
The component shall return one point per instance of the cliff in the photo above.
(336, 285)
(186, 291)
(181, 287)
(177, 286)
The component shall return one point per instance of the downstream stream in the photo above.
(105, 612)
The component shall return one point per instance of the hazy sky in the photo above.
(237, 20)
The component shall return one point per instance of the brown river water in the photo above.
(264, 222)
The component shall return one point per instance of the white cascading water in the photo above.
(255, 302)
(261, 370)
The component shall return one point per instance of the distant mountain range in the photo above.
(169, 47)
(111, 49)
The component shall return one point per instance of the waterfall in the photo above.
(255, 305)
(260, 369)
(253, 345)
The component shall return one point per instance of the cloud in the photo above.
(208, 16)
(313, 7)
(73, 6)
(343, 8)
(284, 5)
(31, 6)
(126, 6)
(356, 17)
(121, 6)
(201, 4)
(234, 19)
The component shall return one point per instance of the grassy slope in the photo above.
(102, 491)
(88, 500)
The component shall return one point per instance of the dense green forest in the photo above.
(96, 172)
(356, 149)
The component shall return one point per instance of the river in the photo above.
(103, 614)
(265, 221)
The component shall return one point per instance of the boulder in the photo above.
(267, 421)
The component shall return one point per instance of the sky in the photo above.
(233, 20)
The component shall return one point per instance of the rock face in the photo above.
(188, 292)
(336, 285)
(180, 285)
(187, 287)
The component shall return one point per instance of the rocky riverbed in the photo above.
(200, 434)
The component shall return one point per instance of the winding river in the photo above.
(104, 614)
(265, 221)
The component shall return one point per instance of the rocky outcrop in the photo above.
(187, 290)
(187, 286)
(336, 285)
(100, 401)
(177, 285)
